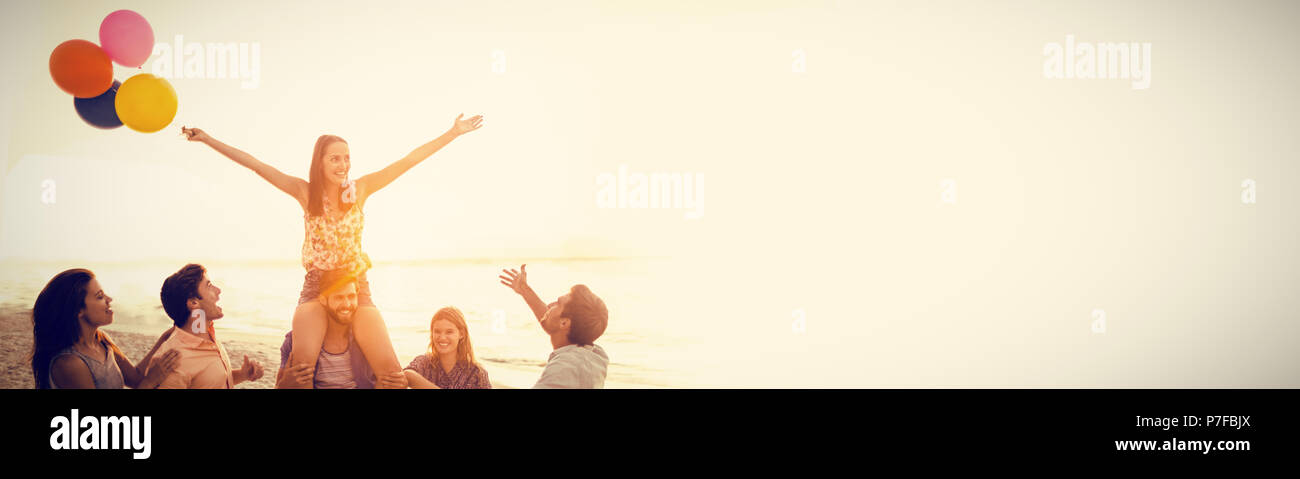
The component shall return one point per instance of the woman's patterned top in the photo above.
(334, 243)
(462, 376)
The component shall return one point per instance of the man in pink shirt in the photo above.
(190, 299)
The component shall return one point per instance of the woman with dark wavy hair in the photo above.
(69, 351)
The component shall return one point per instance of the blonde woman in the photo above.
(450, 363)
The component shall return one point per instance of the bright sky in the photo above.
(894, 99)
(585, 89)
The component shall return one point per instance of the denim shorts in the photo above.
(311, 288)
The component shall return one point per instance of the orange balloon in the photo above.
(81, 68)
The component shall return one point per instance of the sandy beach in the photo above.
(16, 346)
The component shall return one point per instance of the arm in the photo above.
(375, 181)
(295, 187)
(137, 376)
(131, 376)
(414, 373)
(518, 281)
(417, 381)
(143, 367)
(70, 372)
(396, 380)
(298, 376)
(154, 370)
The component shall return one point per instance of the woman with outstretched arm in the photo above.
(333, 220)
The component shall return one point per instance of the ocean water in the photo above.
(258, 299)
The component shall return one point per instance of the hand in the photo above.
(296, 376)
(461, 127)
(194, 134)
(160, 367)
(252, 371)
(395, 380)
(416, 381)
(516, 280)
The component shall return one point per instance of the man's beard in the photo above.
(334, 316)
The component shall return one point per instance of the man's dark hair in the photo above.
(587, 315)
(178, 288)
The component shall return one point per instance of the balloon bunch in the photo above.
(144, 103)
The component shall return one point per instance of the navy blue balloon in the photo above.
(100, 112)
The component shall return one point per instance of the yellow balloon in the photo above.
(146, 103)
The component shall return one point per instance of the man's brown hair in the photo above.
(587, 315)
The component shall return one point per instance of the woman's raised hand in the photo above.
(160, 367)
(194, 134)
(461, 127)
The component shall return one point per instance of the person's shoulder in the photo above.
(574, 359)
(560, 373)
(565, 353)
(576, 353)
(419, 363)
(175, 340)
(481, 374)
(564, 360)
(67, 369)
(67, 359)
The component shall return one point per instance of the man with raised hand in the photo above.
(574, 322)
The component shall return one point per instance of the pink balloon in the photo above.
(126, 37)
